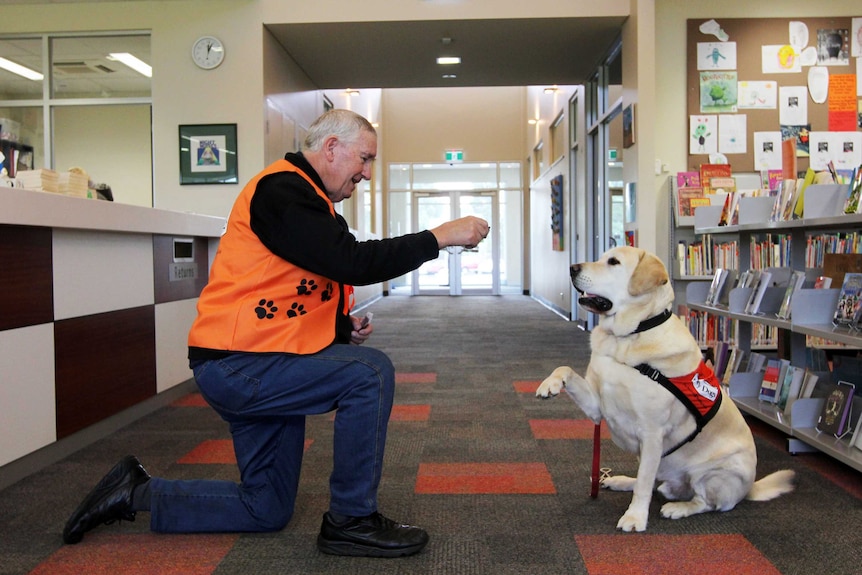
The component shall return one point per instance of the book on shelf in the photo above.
(835, 415)
(771, 179)
(794, 284)
(719, 279)
(684, 197)
(722, 185)
(803, 183)
(734, 360)
(809, 382)
(773, 376)
(856, 438)
(790, 387)
(822, 282)
(709, 171)
(762, 282)
(756, 361)
(848, 298)
(721, 354)
(688, 179)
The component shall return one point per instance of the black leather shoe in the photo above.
(370, 536)
(109, 501)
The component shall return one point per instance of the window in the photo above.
(97, 113)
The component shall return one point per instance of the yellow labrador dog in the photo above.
(646, 379)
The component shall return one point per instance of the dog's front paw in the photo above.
(555, 382)
(550, 387)
(619, 483)
(632, 521)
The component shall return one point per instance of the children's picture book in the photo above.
(713, 295)
(835, 415)
(856, 439)
(684, 197)
(688, 180)
(756, 361)
(809, 382)
(772, 377)
(709, 171)
(822, 282)
(734, 360)
(790, 387)
(721, 185)
(794, 284)
(763, 282)
(848, 298)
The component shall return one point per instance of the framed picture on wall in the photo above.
(208, 154)
(629, 126)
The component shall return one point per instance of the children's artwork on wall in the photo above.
(793, 105)
(833, 47)
(732, 133)
(716, 56)
(703, 134)
(842, 102)
(718, 92)
(757, 95)
(779, 59)
(557, 213)
(856, 38)
(767, 150)
(801, 135)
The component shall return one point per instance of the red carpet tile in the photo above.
(112, 554)
(415, 377)
(566, 429)
(191, 400)
(526, 386)
(475, 478)
(216, 451)
(643, 554)
(410, 413)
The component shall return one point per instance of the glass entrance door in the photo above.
(458, 271)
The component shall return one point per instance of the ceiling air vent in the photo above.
(81, 68)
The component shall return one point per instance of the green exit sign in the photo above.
(454, 155)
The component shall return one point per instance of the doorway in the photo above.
(458, 271)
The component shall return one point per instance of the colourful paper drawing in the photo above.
(718, 92)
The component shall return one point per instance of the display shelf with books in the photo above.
(812, 313)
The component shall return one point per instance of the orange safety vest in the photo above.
(256, 301)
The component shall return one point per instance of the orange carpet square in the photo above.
(566, 429)
(526, 386)
(113, 554)
(191, 400)
(644, 554)
(475, 478)
(410, 413)
(415, 377)
(215, 451)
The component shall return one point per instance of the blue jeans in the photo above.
(265, 399)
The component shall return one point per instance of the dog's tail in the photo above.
(772, 486)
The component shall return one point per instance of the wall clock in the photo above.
(208, 52)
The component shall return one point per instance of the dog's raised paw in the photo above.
(550, 387)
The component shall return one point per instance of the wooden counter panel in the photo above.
(27, 285)
(104, 364)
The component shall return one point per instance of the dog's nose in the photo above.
(574, 270)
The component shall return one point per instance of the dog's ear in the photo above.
(649, 274)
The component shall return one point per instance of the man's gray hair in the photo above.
(343, 124)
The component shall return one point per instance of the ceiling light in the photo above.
(532, 121)
(552, 90)
(132, 62)
(350, 92)
(450, 75)
(20, 70)
(446, 60)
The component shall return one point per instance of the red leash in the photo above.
(597, 448)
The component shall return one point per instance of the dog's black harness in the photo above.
(699, 392)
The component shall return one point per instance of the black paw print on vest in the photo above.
(265, 309)
(296, 309)
(305, 287)
(326, 294)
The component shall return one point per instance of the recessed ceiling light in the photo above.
(350, 92)
(447, 60)
(133, 62)
(552, 90)
(20, 70)
(450, 75)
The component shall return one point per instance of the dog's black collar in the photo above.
(654, 321)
